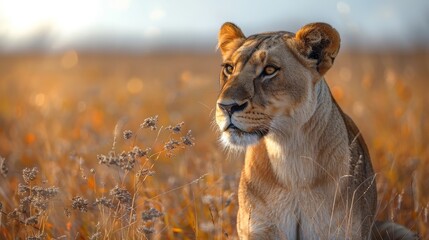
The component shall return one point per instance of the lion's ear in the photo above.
(230, 37)
(319, 42)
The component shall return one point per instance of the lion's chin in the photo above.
(239, 139)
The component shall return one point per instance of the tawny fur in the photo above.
(307, 172)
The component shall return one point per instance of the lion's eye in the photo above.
(270, 70)
(228, 69)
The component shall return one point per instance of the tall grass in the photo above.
(81, 159)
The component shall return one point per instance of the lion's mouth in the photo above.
(232, 129)
(234, 136)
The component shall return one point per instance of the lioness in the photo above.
(307, 171)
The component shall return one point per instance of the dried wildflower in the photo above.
(139, 152)
(39, 197)
(31, 220)
(176, 129)
(80, 203)
(122, 195)
(45, 193)
(29, 175)
(23, 189)
(150, 214)
(125, 161)
(188, 139)
(40, 203)
(129, 161)
(112, 158)
(24, 204)
(145, 230)
(172, 144)
(128, 134)
(150, 122)
(144, 172)
(3, 168)
(104, 202)
(131, 215)
(102, 159)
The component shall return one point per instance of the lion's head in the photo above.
(269, 80)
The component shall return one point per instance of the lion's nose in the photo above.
(233, 107)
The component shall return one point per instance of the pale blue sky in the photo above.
(58, 24)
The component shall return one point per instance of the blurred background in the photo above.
(129, 25)
(75, 74)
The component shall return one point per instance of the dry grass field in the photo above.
(76, 128)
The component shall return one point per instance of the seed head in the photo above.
(145, 230)
(150, 122)
(104, 202)
(24, 204)
(139, 152)
(23, 189)
(40, 203)
(176, 129)
(80, 203)
(128, 134)
(150, 214)
(172, 144)
(188, 139)
(125, 160)
(45, 193)
(29, 175)
(122, 194)
(144, 172)
(102, 159)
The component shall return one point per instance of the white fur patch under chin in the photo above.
(238, 142)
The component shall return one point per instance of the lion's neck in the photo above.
(309, 154)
